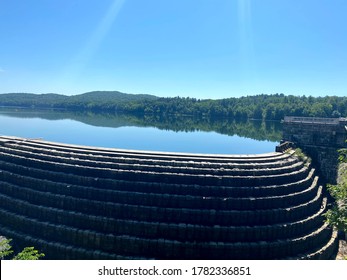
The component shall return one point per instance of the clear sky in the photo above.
(197, 48)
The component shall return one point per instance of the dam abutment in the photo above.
(320, 138)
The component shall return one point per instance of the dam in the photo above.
(321, 138)
(79, 202)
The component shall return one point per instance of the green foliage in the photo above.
(5, 248)
(302, 156)
(337, 215)
(299, 153)
(266, 107)
(28, 253)
(343, 155)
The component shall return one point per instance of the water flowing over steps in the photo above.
(77, 202)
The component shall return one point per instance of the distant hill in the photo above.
(106, 96)
(88, 100)
(24, 98)
(111, 95)
(263, 106)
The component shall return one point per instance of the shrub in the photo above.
(28, 253)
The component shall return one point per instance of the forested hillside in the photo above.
(100, 100)
(267, 107)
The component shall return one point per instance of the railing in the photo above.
(335, 121)
(281, 148)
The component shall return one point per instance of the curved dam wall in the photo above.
(76, 202)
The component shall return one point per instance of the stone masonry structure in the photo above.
(320, 138)
(77, 202)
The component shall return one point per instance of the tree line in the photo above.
(263, 106)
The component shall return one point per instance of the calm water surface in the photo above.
(135, 133)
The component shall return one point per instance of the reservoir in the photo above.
(172, 134)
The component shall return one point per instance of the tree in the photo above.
(5, 248)
(28, 253)
(267, 107)
(337, 215)
(336, 114)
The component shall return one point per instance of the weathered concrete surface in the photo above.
(320, 138)
(320, 132)
(75, 202)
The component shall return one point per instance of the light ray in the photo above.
(81, 60)
(246, 42)
(102, 30)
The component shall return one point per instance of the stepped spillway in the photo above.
(77, 202)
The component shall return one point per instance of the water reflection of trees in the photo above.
(254, 129)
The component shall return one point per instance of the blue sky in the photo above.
(196, 48)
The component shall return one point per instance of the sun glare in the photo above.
(80, 61)
(246, 43)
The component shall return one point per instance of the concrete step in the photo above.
(172, 231)
(279, 160)
(326, 252)
(149, 176)
(7, 140)
(86, 202)
(223, 170)
(60, 251)
(162, 200)
(167, 249)
(71, 182)
(166, 214)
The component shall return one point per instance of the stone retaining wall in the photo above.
(320, 138)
